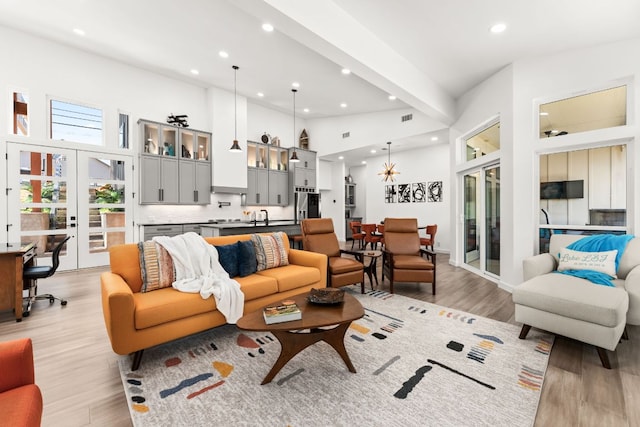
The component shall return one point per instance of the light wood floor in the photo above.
(77, 371)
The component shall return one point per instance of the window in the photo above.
(20, 113)
(596, 110)
(75, 123)
(484, 142)
(123, 131)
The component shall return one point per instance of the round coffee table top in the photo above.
(371, 253)
(313, 315)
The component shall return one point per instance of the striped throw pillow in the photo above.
(270, 250)
(156, 266)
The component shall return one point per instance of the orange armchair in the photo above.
(402, 258)
(318, 236)
(20, 397)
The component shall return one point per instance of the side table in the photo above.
(372, 267)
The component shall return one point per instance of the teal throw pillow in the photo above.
(247, 263)
(228, 257)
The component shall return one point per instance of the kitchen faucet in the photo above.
(266, 216)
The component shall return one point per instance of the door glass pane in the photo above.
(106, 194)
(492, 220)
(43, 198)
(471, 206)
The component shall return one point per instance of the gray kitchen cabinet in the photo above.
(158, 180)
(278, 188)
(303, 173)
(267, 175)
(151, 231)
(257, 187)
(175, 165)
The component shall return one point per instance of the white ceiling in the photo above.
(443, 45)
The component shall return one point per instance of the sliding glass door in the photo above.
(481, 225)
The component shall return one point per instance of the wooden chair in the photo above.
(403, 260)
(319, 236)
(356, 233)
(380, 230)
(430, 241)
(370, 236)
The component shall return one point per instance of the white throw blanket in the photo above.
(198, 270)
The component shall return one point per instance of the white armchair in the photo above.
(575, 307)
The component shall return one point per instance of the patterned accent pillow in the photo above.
(270, 250)
(156, 266)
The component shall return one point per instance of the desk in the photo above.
(13, 257)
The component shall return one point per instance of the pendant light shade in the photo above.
(294, 156)
(388, 171)
(235, 147)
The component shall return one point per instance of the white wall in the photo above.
(274, 123)
(421, 165)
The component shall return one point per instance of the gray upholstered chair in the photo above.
(574, 307)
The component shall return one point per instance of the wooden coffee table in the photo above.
(294, 337)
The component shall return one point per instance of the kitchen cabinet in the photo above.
(304, 171)
(175, 165)
(350, 195)
(267, 175)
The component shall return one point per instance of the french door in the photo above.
(54, 193)
(481, 225)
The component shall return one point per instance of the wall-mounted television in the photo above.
(562, 190)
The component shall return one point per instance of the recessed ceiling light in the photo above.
(78, 31)
(373, 151)
(364, 162)
(434, 138)
(194, 71)
(306, 110)
(498, 28)
(295, 84)
(223, 54)
(267, 27)
(544, 113)
(260, 94)
(555, 131)
(392, 98)
(343, 105)
(346, 71)
(340, 157)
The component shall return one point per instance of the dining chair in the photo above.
(370, 236)
(430, 241)
(356, 233)
(319, 236)
(380, 231)
(403, 260)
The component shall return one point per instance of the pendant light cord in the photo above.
(235, 101)
(294, 118)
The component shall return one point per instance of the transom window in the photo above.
(484, 142)
(75, 122)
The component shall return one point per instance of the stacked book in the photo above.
(285, 312)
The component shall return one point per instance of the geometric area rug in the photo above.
(418, 364)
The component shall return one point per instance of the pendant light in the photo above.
(388, 171)
(235, 147)
(294, 156)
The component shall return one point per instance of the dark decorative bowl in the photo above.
(326, 296)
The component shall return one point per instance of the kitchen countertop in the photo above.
(241, 224)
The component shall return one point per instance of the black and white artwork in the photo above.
(404, 193)
(419, 192)
(390, 194)
(434, 191)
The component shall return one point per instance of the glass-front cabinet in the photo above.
(175, 165)
(267, 174)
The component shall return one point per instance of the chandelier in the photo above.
(388, 171)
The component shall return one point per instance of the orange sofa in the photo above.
(137, 320)
(20, 397)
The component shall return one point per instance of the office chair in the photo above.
(31, 274)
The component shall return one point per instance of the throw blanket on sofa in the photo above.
(198, 270)
(599, 243)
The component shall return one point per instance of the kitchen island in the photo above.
(232, 228)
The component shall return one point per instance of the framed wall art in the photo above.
(418, 192)
(404, 193)
(434, 191)
(390, 194)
